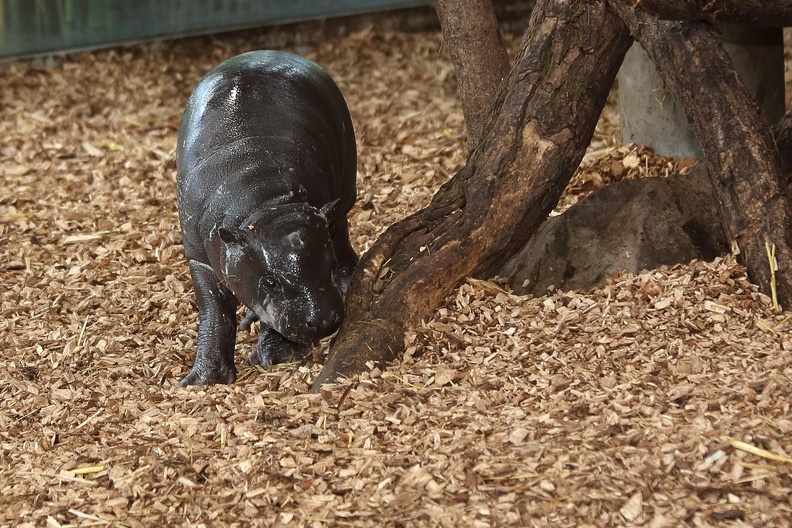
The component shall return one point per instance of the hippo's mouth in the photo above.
(295, 337)
(304, 337)
(299, 329)
(281, 326)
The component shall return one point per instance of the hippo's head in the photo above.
(282, 266)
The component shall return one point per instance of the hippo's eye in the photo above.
(270, 284)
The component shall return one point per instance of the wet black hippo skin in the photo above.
(266, 161)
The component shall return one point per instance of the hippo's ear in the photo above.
(329, 211)
(233, 237)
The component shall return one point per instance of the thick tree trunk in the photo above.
(543, 120)
(471, 32)
(738, 146)
(782, 132)
(765, 13)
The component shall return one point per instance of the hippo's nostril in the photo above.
(325, 323)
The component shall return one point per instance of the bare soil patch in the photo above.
(661, 399)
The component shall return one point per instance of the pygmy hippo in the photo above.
(266, 176)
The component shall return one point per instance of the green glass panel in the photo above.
(40, 26)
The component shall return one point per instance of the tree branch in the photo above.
(736, 143)
(765, 13)
(543, 120)
(471, 32)
(782, 132)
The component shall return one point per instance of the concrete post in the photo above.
(651, 117)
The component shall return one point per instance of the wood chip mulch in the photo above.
(659, 400)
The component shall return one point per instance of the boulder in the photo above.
(627, 226)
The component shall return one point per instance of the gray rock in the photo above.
(628, 226)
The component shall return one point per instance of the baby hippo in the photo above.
(266, 176)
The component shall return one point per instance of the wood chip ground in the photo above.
(659, 400)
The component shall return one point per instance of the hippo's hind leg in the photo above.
(214, 356)
(273, 349)
(345, 256)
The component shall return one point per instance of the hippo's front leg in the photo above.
(248, 320)
(273, 349)
(214, 357)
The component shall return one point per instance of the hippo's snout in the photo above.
(326, 323)
(316, 320)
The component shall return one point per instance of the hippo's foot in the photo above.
(248, 320)
(273, 349)
(203, 374)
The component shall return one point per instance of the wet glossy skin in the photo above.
(266, 177)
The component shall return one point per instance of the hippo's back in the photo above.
(262, 128)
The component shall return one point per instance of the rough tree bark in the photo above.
(782, 132)
(542, 122)
(737, 145)
(767, 13)
(472, 34)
